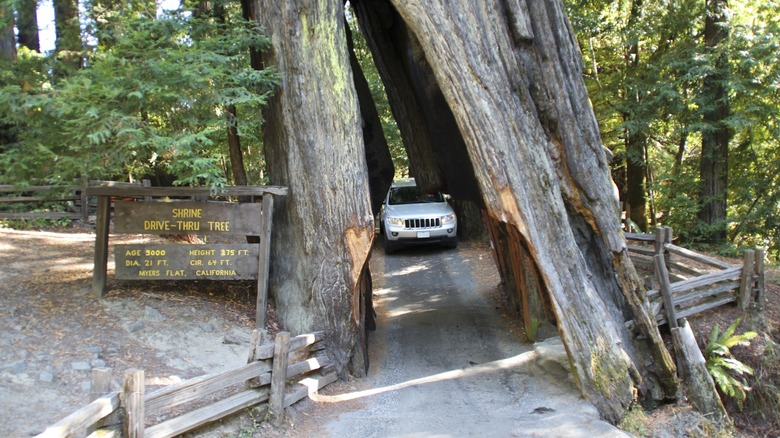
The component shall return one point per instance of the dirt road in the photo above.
(445, 361)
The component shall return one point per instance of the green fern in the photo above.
(726, 370)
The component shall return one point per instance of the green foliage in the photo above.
(149, 102)
(644, 68)
(722, 365)
(389, 125)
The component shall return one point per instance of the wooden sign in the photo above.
(186, 262)
(186, 217)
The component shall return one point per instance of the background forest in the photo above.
(686, 95)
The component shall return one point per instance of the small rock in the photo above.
(86, 385)
(152, 314)
(98, 363)
(236, 338)
(95, 349)
(17, 367)
(134, 326)
(207, 327)
(80, 366)
(46, 377)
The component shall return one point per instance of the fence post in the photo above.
(133, 423)
(761, 280)
(101, 246)
(84, 199)
(664, 286)
(278, 378)
(146, 183)
(746, 283)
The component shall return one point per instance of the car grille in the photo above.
(422, 223)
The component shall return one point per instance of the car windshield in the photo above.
(412, 195)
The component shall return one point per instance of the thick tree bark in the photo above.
(323, 229)
(7, 39)
(510, 72)
(713, 184)
(27, 23)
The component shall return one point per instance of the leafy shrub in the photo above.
(724, 368)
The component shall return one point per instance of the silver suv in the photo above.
(412, 218)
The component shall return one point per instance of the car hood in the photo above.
(432, 209)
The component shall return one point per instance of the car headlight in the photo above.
(448, 218)
(395, 221)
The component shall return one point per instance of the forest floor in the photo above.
(53, 332)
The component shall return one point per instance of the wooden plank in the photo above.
(5, 188)
(266, 351)
(186, 262)
(187, 217)
(101, 246)
(699, 282)
(41, 215)
(640, 237)
(207, 414)
(641, 250)
(37, 199)
(308, 386)
(114, 189)
(664, 287)
(108, 432)
(693, 310)
(684, 298)
(305, 366)
(700, 387)
(278, 378)
(264, 261)
(83, 418)
(685, 269)
(134, 388)
(705, 280)
(701, 258)
(193, 389)
(746, 286)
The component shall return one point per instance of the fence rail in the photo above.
(78, 204)
(262, 382)
(685, 282)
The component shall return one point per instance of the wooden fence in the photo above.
(261, 383)
(77, 205)
(685, 283)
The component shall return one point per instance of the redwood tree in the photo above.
(502, 79)
(323, 230)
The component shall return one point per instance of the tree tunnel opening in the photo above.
(434, 152)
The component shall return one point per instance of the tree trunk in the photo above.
(715, 140)
(7, 39)
(323, 229)
(68, 34)
(636, 138)
(27, 23)
(234, 146)
(510, 73)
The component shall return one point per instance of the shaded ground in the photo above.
(53, 332)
